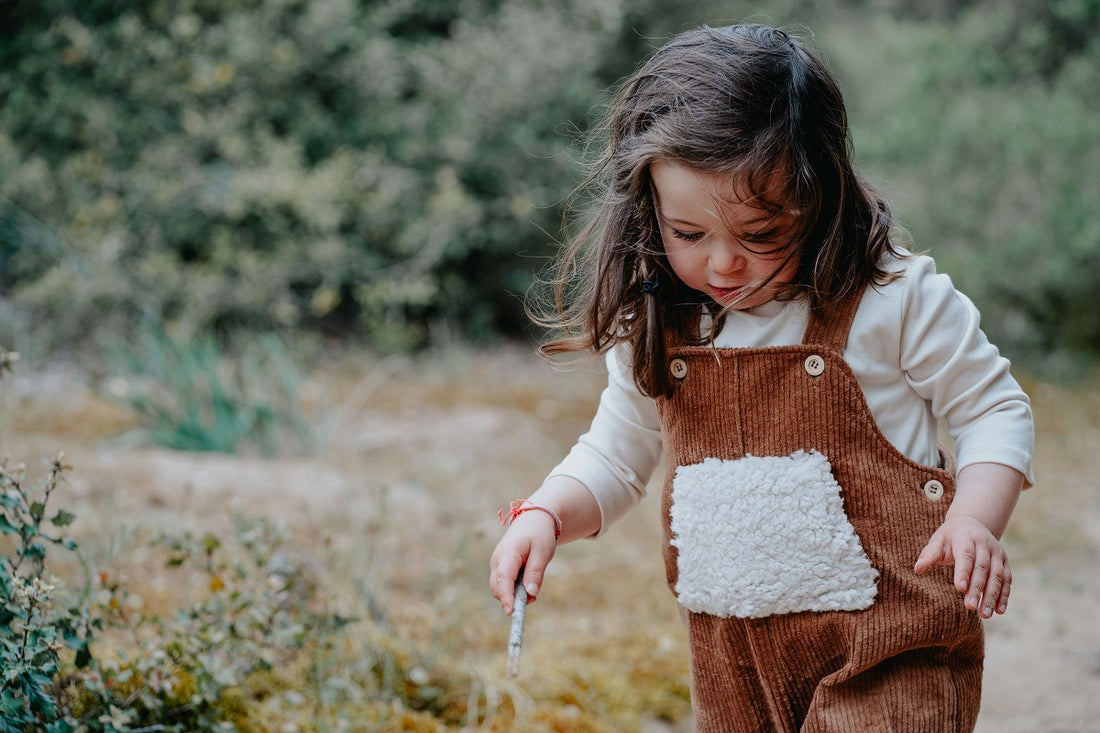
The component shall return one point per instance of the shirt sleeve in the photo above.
(621, 449)
(948, 360)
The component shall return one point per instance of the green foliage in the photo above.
(33, 629)
(396, 168)
(993, 169)
(382, 166)
(192, 396)
(197, 670)
(192, 672)
(257, 611)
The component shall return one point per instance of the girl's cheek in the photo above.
(789, 271)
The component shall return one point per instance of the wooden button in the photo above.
(933, 490)
(679, 368)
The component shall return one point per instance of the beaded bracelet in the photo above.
(519, 506)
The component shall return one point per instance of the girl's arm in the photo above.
(602, 477)
(529, 543)
(969, 536)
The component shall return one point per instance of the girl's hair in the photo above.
(748, 101)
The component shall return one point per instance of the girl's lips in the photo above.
(724, 293)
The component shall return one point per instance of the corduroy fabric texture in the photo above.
(910, 662)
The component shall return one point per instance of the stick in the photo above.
(515, 638)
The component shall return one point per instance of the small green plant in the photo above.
(33, 629)
(202, 669)
(192, 672)
(192, 396)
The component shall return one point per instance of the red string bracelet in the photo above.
(519, 506)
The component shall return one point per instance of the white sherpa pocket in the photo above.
(760, 536)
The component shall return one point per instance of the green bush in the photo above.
(197, 671)
(202, 668)
(34, 630)
(260, 625)
(191, 395)
(376, 166)
(993, 165)
(395, 169)
(258, 608)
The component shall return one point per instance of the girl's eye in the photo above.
(768, 236)
(687, 236)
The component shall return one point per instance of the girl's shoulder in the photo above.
(909, 265)
(915, 282)
(919, 309)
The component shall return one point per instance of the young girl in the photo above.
(793, 363)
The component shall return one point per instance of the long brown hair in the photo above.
(747, 100)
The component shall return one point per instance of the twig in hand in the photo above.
(515, 638)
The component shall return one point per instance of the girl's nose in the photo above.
(725, 259)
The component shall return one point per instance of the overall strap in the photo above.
(831, 328)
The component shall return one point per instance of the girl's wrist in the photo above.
(520, 507)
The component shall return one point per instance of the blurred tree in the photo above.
(396, 168)
(994, 167)
(1040, 37)
(382, 165)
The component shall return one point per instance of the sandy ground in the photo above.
(433, 443)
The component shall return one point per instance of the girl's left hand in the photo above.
(982, 574)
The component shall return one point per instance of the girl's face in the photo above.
(717, 243)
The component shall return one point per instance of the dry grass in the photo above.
(396, 512)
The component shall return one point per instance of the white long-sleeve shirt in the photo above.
(916, 349)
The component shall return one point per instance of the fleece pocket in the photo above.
(760, 536)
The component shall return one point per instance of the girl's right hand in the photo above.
(528, 545)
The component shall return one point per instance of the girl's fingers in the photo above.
(991, 594)
(981, 567)
(497, 587)
(996, 587)
(502, 580)
(979, 577)
(932, 554)
(535, 571)
(506, 568)
(1006, 589)
(965, 566)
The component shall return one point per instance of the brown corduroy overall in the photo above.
(905, 655)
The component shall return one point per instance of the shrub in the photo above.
(396, 168)
(379, 166)
(258, 610)
(36, 622)
(192, 395)
(202, 668)
(992, 166)
(193, 672)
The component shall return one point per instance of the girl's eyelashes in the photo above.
(687, 236)
(769, 236)
(763, 238)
